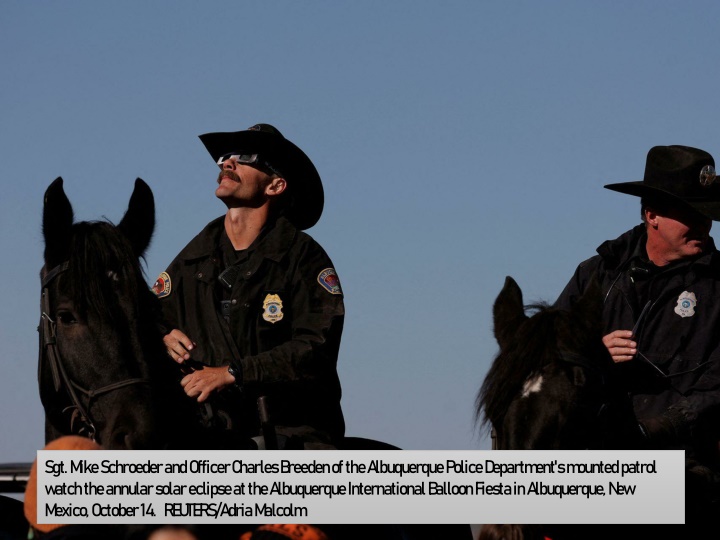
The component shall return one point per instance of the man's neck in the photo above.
(660, 256)
(243, 225)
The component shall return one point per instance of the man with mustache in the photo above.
(661, 288)
(253, 304)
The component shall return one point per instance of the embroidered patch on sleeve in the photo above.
(162, 286)
(329, 280)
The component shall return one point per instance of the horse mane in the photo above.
(510, 369)
(101, 261)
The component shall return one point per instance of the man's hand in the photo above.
(203, 382)
(178, 346)
(620, 345)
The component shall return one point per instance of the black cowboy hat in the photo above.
(679, 174)
(304, 184)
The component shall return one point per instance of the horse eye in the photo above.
(66, 317)
(113, 275)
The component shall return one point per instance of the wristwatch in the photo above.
(236, 371)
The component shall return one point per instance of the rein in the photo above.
(584, 361)
(61, 380)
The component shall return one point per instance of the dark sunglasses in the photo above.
(247, 159)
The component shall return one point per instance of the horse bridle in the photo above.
(80, 415)
(574, 359)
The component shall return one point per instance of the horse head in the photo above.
(550, 385)
(99, 345)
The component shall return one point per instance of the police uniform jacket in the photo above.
(280, 322)
(676, 372)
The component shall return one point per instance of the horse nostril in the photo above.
(123, 440)
(133, 440)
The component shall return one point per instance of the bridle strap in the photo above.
(48, 337)
(110, 387)
(48, 329)
(52, 274)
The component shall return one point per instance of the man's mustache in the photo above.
(228, 174)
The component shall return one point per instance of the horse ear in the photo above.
(138, 223)
(508, 312)
(57, 222)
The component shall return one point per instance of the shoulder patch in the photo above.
(162, 286)
(329, 280)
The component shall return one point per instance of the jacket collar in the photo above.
(272, 244)
(618, 251)
(631, 244)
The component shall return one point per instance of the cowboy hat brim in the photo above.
(707, 207)
(304, 183)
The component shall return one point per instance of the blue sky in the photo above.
(459, 142)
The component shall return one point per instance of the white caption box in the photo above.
(380, 487)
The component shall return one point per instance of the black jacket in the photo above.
(281, 324)
(675, 377)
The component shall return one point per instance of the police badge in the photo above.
(686, 304)
(272, 308)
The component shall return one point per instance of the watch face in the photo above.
(234, 373)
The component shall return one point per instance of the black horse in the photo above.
(551, 385)
(103, 368)
(103, 372)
